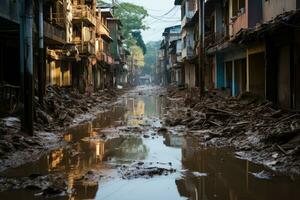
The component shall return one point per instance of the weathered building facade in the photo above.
(190, 62)
(64, 43)
(170, 56)
(247, 46)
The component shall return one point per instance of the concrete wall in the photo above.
(10, 10)
(240, 22)
(272, 8)
(190, 72)
(284, 92)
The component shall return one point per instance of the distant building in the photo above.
(169, 57)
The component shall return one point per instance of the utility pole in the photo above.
(201, 8)
(41, 85)
(26, 59)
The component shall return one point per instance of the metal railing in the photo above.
(85, 47)
(54, 33)
(57, 19)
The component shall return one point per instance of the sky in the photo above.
(155, 9)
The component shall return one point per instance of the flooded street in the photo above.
(123, 154)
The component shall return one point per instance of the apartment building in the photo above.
(188, 35)
(272, 53)
(249, 45)
(103, 50)
(118, 52)
(171, 46)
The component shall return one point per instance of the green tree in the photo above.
(138, 55)
(137, 36)
(150, 57)
(132, 17)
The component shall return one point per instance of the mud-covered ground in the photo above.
(63, 108)
(153, 143)
(257, 130)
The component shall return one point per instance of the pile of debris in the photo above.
(145, 170)
(246, 122)
(62, 105)
(47, 186)
(62, 108)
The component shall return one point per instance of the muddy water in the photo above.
(201, 174)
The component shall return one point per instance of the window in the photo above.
(238, 7)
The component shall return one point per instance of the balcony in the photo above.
(187, 53)
(98, 26)
(189, 15)
(105, 58)
(85, 48)
(54, 34)
(239, 22)
(57, 19)
(104, 30)
(82, 13)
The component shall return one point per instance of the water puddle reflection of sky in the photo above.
(202, 174)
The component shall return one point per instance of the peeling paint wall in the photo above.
(272, 8)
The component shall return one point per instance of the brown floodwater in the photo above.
(202, 174)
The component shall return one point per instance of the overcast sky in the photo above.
(158, 8)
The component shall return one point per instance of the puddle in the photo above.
(99, 148)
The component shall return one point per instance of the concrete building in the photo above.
(273, 60)
(190, 62)
(103, 50)
(171, 55)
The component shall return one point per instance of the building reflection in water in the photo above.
(228, 178)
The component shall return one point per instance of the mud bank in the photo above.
(63, 108)
(255, 128)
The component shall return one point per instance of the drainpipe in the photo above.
(41, 84)
(28, 71)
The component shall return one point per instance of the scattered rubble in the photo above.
(246, 122)
(145, 170)
(47, 186)
(63, 107)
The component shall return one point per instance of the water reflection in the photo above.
(228, 177)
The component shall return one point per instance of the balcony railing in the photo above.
(98, 26)
(188, 16)
(84, 13)
(85, 47)
(212, 39)
(105, 58)
(187, 52)
(57, 19)
(54, 33)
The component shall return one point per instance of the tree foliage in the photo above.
(150, 57)
(138, 56)
(137, 36)
(132, 17)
